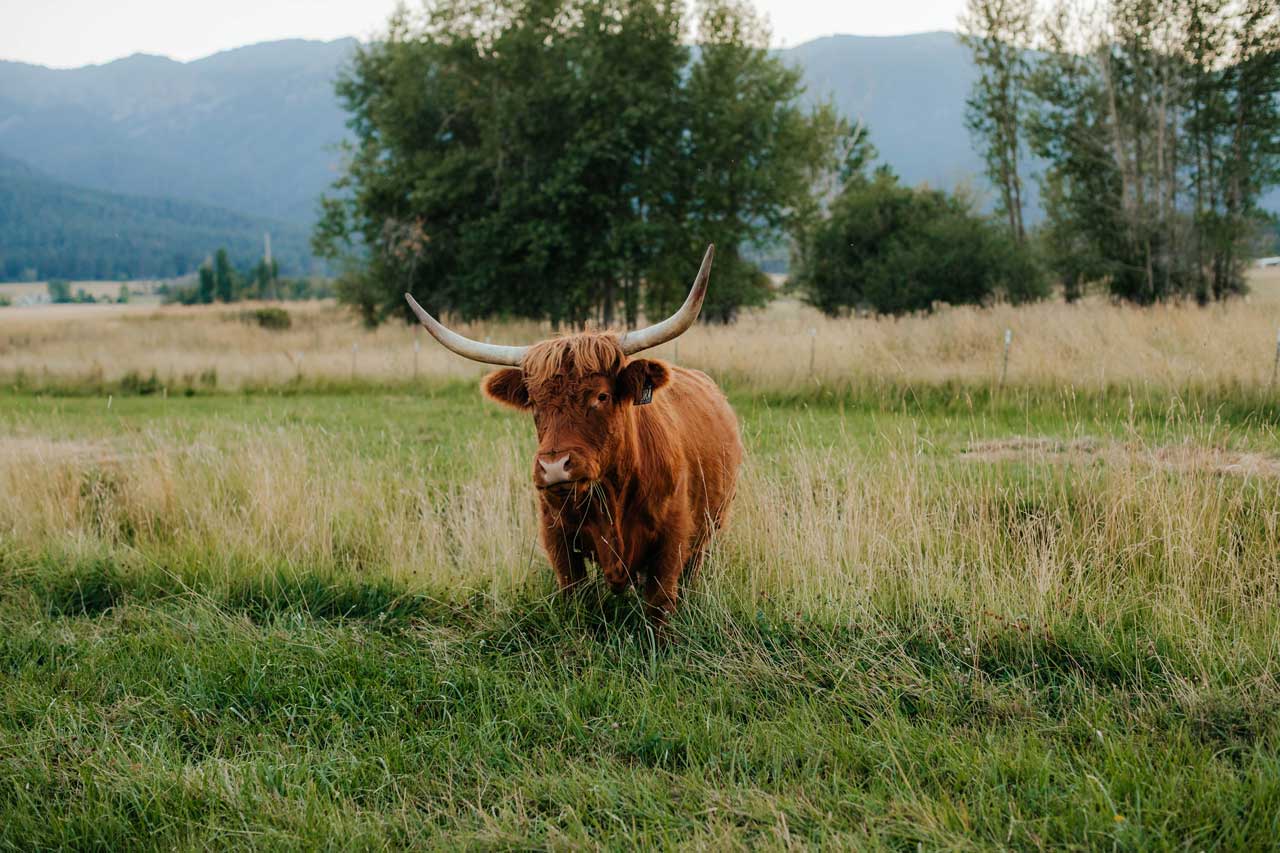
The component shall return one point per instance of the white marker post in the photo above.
(417, 347)
(1008, 342)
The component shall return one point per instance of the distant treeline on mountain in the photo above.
(49, 229)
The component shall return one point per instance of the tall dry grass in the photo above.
(788, 346)
(1192, 542)
(1187, 538)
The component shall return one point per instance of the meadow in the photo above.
(253, 597)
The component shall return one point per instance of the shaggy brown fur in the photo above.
(649, 483)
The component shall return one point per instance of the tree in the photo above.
(1251, 133)
(265, 277)
(748, 160)
(895, 249)
(1160, 122)
(998, 34)
(1110, 91)
(59, 290)
(207, 287)
(224, 277)
(565, 159)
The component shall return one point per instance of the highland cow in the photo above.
(637, 459)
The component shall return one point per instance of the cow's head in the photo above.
(579, 387)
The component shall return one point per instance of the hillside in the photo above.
(50, 229)
(260, 121)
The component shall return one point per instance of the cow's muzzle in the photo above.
(558, 475)
(555, 471)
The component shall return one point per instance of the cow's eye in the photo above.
(603, 398)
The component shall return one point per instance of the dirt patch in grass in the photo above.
(1184, 458)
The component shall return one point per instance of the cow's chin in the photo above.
(564, 489)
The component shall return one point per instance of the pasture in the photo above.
(249, 596)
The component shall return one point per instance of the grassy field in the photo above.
(787, 349)
(264, 609)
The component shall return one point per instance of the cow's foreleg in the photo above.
(612, 565)
(662, 588)
(570, 565)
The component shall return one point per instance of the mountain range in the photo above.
(252, 130)
(255, 130)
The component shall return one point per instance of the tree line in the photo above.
(568, 160)
(1158, 124)
(59, 290)
(219, 280)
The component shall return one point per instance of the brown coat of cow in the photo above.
(636, 466)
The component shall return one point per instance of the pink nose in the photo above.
(556, 471)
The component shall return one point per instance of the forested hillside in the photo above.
(49, 229)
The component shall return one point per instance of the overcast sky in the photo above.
(69, 33)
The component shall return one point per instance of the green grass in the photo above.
(147, 704)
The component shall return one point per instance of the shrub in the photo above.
(896, 249)
(271, 318)
(134, 382)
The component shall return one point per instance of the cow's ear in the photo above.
(507, 387)
(640, 378)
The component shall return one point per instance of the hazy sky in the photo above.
(67, 33)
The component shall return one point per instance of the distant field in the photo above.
(22, 292)
(947, 613)
(784, 349)
(1265, 284)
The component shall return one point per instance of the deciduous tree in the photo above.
(566, 159)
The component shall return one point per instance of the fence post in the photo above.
(1004, 370)
(813, 347)
(355, 348)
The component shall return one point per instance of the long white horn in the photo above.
(677, 323)
(465, 347)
